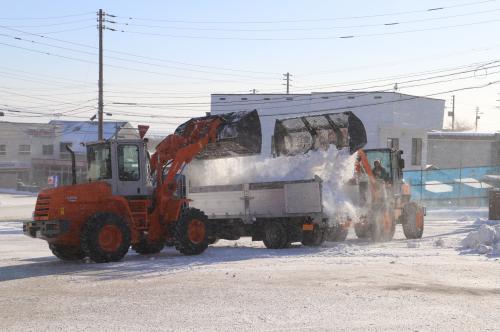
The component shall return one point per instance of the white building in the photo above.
(390, 118)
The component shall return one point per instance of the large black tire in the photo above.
(362, 230)
(338, 233)
(412, 219)
(66, 253)
(313, 238)
(145, 247)
(383, 226)
(105, 237)
(275, 235)
(190, 232)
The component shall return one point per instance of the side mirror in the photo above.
(401, 163)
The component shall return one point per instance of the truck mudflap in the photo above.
(299, 135)
(45, 229)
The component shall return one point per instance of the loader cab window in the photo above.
(99, 162)
(128, 162)
(385, 159)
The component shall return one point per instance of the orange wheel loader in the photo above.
(134, 200)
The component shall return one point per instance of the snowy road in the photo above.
(401, 285)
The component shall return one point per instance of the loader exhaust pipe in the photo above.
(73, 164)
(302, 134)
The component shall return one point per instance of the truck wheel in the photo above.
(413, 220)
(275, 235)
(66, 253)
(313, 238)
(190, 232)
(384, 225)
(105, 237)
(338, 233)
(362, 230)
(144, 247)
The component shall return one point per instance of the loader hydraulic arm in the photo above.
(365, 164)
(176, 151)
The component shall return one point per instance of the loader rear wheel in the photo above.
(145, 247)
(362, 230)
(275, 235)
(105, 237)
(191, 236)
(384, 225)
(413, 220)
(313, 238)
(66, 253)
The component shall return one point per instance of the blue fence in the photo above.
(453, 186)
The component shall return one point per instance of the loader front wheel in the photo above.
(191, 236)
(145, 247)
(275, 235)
(105, 237)
(66, 253)
(338, 233)
(413, 220)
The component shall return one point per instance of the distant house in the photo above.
(31, 152)
(390, 118)
(446, 149)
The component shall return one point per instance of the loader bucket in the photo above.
(305, 133)
(238, 135)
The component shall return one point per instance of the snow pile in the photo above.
(486, 240)
(334, 167)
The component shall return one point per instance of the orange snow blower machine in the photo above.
(132, 199)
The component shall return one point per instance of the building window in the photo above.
(267, 98)
(393, 143)
(416, 151)
(244, 98)
(48, 150)
(222, 98)
(63, 153)
(324, 97)
(24, 149)
(3, 150)
(289, 98)
(377, 97)
(350, 97)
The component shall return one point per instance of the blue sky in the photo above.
(176, 53)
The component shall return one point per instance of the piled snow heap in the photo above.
(485, 240)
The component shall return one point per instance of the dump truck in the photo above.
(277, 213)
(133, 200)
(282, 212)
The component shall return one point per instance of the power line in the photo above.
(426, 10)
(45, 18)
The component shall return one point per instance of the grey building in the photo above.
(463, 149)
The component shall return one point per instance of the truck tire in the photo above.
(190, 232)
(145, 247)
(338, 233)
(383, 226)
(362, 230)
(412, 219)
(275, 235)
(66, 253)
(105, 237)
(313, 238)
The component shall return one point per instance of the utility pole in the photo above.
(287, 79)
(100, 103)
(452, 113)
(477, 116)
(253, 91)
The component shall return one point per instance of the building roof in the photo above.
(460, 135)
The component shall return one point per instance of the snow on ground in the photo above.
(16, 205)
(425, 284)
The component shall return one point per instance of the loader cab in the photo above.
(122, 164)
(390, 159)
